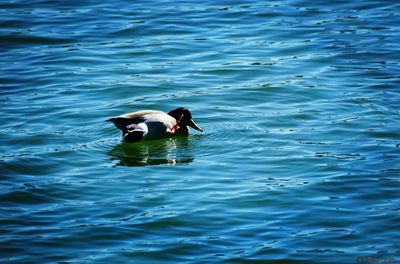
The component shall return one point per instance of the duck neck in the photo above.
(183, 130)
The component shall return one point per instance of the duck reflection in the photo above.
(170, 151)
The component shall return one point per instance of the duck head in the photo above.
(184, 118)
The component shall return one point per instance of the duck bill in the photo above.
(193, 125)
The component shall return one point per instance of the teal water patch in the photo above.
(298, 161)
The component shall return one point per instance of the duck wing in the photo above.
(159, 122)
(140, 114)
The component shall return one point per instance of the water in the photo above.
(299, 160)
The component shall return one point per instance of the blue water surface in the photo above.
(298, 162)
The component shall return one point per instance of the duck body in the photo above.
(153, 124)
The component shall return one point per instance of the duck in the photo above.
(154, 124)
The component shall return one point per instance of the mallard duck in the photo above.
(152, 124)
